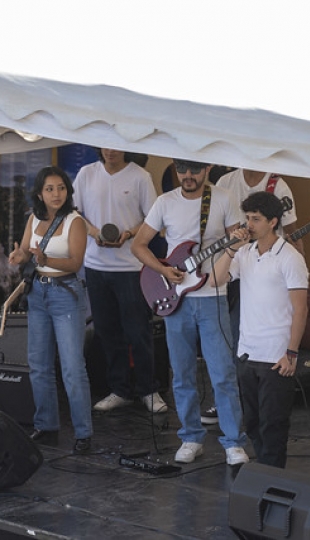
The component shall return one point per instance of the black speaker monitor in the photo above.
(19, 455)
(267, 502)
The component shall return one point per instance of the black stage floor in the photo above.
(95, 497)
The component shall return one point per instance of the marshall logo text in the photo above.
(10, 378)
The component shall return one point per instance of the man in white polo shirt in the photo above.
(273, 299)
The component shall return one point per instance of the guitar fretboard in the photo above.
(300, 232)
(195, 260)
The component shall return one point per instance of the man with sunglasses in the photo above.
(201, 313)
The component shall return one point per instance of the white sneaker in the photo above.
(188, 452)
(154, 403)
(111, 402)
(236, 455)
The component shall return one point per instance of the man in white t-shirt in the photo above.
(117, 191)
(273, 293)
(244, 182)
(203, 312)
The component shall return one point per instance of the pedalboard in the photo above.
(146, 465)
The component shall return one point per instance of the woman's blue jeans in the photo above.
(209, 319)
(56, 319)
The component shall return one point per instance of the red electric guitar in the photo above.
(164, 297)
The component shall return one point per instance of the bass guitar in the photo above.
(164, 297)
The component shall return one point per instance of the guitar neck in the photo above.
(300, 232)
(17, 292)
(194, 261)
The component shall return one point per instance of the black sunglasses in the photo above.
(183, 166)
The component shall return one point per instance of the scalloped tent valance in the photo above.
(222, 81)
(37, 113)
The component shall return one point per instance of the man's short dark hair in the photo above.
(266, 203)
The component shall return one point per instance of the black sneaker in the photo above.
(210, 416)
(82, 446)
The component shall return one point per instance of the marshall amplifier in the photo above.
(16, 398)
(13, 343)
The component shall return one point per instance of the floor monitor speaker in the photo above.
(267, 502)
(19, 455)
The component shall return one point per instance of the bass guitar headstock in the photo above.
(287, 203)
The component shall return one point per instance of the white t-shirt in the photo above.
(265, 306)
(58, 245)
(124, 199)
(181, 219)
(235, 182)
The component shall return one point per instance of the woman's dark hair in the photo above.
(266, 203)
(39, 208)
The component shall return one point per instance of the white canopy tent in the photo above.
(222, 82)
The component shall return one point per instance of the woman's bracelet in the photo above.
(232, 249)
(230, 256)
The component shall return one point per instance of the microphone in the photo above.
(109, 233)
(223, 243)
(228, 243)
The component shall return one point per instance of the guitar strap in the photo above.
(50, 231)
(29, 269)
(272, 182)
(205, 210)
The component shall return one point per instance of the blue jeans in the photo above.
(200, 317)
(56, 318)
(121, 319)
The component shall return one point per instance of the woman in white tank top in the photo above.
(56, 309)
